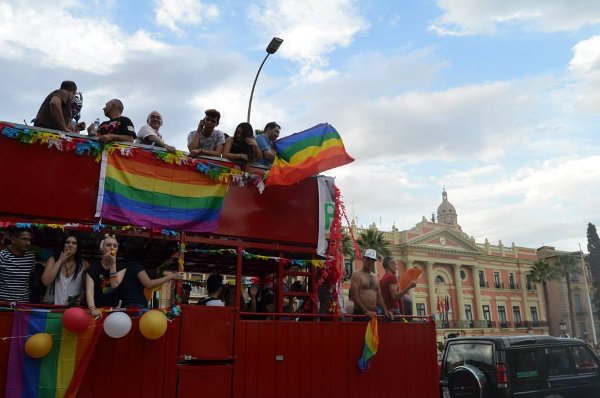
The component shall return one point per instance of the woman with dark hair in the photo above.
(242, 146)
(63, 275)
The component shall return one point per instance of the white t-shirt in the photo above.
(215, 303)
(145, 132)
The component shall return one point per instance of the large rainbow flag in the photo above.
(58, 374)
(370, 347)
(144, 191)
(307, 153)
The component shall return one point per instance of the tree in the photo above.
(593, 247)
(348, 246)
(542, 272)
(373, 239)
(566, 266)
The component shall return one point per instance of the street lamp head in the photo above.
(274, 45)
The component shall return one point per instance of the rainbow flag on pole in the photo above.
(145, 191)
(58, 374)
(370, 347)
(307, 153)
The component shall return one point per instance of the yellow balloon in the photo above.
(38, 345)
(153, 324)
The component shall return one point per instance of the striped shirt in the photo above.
(14, 275)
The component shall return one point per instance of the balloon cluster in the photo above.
(153, 325)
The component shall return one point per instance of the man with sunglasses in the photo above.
(149, 134)
(205, 140)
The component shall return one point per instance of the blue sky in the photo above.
(495, 100)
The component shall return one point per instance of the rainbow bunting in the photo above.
(307, 153)
(370, 347)
(58, 374)
(143, 191)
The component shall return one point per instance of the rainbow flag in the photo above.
(58, 374)
(307, 153)
(144, 191)
(370, 347)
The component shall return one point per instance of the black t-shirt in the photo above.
(104, 294)
(131, 290)
(120, 125)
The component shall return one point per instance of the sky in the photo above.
(497, 101)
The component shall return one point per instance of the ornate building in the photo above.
(471, 288)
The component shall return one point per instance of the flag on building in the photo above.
(58, 374)
(307, 153)
(144, 191)
(370, 346)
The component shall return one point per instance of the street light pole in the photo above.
(271, 49)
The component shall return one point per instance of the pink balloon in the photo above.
(76, 320)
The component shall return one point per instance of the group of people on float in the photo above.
(68, 279)
(244, 147)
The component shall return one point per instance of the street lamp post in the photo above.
(271, 49)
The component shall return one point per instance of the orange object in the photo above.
(112, 252)
(409, 276)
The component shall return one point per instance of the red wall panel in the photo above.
(319, 359)
(207, 332)
(47, 184)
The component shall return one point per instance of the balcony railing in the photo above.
(499, 285)
(483, 284)
(485, 324)
(514, 286)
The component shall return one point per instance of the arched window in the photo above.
(439, 279)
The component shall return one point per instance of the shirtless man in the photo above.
(364, 288)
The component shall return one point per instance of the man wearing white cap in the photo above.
(364, 288)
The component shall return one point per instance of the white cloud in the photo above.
(468, 17)
(82, 42)
(311, 29)
(171, 13)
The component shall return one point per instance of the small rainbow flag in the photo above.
(370, 347)
(142, 190)
(307, 153)
(58, 374)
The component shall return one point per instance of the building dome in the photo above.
(446, 213)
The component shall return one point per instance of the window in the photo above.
(481, 279)
(502, 316)
(578, 306)
(486, 315)
(497, 279)
(348, 268)
(478, 355)
(517, 315)
(468, 312)
(463, 275)
(511, 281)
(439, 280)
(526, 364)
(421, 309)
(583, 359)
(558, 361)
(534, 314)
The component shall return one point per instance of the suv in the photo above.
(519, 366)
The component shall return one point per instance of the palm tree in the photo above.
(542, 272)
(373, 239)
(348, 246)
(566, 266)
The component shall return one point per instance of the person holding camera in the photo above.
(149, 134)
(205, 140)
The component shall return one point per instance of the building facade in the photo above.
(560, 322)
(471, 288)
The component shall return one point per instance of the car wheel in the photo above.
(467, 382)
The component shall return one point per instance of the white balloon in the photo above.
(117, 325)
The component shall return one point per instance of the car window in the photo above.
(479, 355)
(526, 364)
(583, 359)
(558, 361)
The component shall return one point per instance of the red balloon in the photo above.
(76, 320)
